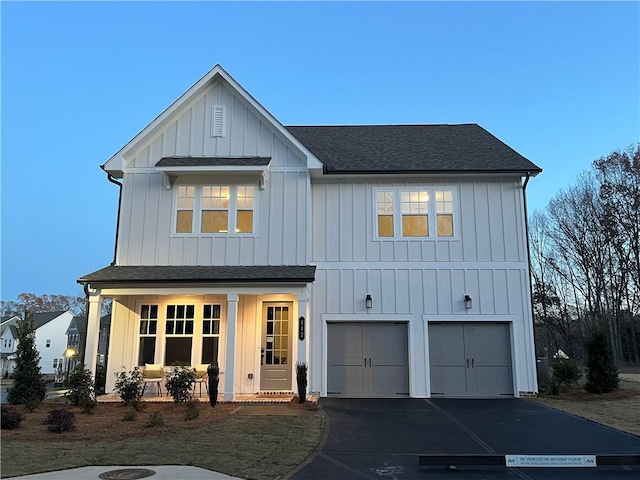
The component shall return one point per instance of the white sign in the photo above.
(550, 460)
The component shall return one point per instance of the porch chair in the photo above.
(152, 373)
(201, 377)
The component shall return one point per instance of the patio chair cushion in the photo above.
(153, 371)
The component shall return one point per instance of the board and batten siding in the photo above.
(422, 280)
(146, 236)
(490, 224)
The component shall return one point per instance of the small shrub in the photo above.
(301, 377)
(602, 373)
(129, 386)
(61, 420)
(138, 405)
(213, 377)
(193, 410)
(565, 371)
(81, 391)
(180, 384)
(32, 404)
(11, 418)
(130, 415)
(155, 420)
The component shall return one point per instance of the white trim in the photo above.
(371, 318)
(432, 215)
(489, 318)
(434, 265)
(169, 289)
(232, 210)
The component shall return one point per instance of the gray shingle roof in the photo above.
(465, 148)
(217, 274)
(39, 319)
(213, 161)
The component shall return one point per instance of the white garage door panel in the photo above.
(470, 360)
(367, 360)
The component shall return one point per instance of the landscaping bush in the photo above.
(213, 377)
(180, 383)
(565, 371)
(155, 420)
(61, 420)
(602, 373)
(11, 418)
(129, 386)
(193, 410)
(81, 390)
(301, 377)
(28, 384)
(130, 415)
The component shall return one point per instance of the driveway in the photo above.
(382, 438)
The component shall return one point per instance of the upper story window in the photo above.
(418, 212)
(214, 209)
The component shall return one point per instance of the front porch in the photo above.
(269, 398)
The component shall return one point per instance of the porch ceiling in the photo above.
(204, 274)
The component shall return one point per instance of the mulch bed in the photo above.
(106, 421)
(577, 393)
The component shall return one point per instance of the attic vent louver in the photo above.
(218, 120)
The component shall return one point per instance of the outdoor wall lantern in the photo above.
(468, 303)
(368, 301)
(301, 328)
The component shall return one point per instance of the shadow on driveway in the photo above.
(382, 438)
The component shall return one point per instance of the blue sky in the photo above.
(558, 82)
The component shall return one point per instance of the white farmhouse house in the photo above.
(392, 259)
(51, 339)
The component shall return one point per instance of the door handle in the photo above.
(262, 356)
(365, 362)
(369, 362)
(472, 363)
(467, 363)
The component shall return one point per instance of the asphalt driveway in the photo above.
(382, 438)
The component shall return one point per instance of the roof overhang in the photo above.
(173, 167)
(200, 275)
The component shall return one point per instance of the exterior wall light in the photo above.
(468, 303)
(368, 301)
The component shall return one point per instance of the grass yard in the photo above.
(220, 439)
(619, 409)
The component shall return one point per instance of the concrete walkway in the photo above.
(166, 472)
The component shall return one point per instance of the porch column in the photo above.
(302, 312)
(229, 369)
(93, 331)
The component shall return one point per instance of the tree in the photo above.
(28, 384)
(585, 260)
(602, 373)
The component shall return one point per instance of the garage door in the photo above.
(470, 360)
(367, 360)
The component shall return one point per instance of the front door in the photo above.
(275, 355)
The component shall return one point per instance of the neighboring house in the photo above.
(8, 336)
(76, 339)
(391, 258)
(51, 339)
(103, 340)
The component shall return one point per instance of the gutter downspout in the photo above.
(115, 248)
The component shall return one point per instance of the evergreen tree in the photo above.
(602, 372)
(28, 384)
